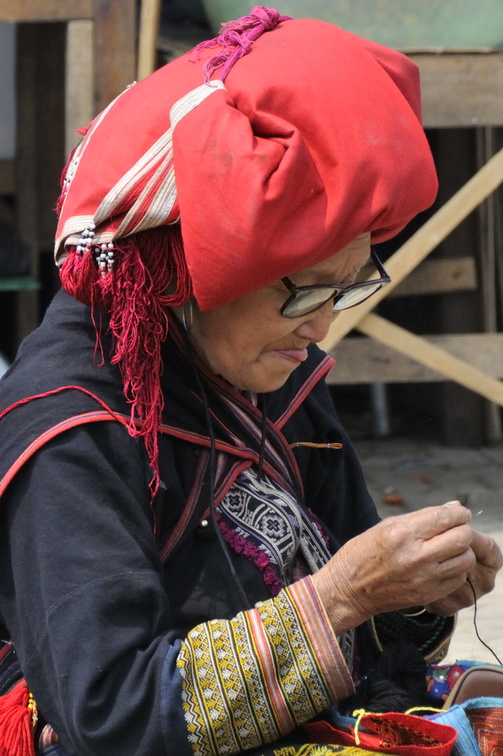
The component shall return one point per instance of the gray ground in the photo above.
(417, 474)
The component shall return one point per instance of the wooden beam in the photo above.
(115, 49)
(147, 39)
(419, 246)
(461, 89)
(433, 356)
(79, 80)
(45, 10)
(439, 277)
(114, 43)
(364, 360)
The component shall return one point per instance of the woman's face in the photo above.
(250, 344)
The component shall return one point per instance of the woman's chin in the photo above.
(264, 381)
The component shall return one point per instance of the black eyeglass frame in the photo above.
(338, 291)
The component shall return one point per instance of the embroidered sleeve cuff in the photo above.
(322, 639)
(249, 680)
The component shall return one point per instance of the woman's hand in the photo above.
(421, 558)
(482, 577)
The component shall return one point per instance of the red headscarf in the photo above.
(315, 137)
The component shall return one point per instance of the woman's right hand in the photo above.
(412, 559)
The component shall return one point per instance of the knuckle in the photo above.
(394, 529)
(461, 538)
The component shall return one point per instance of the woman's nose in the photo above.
(315, 326)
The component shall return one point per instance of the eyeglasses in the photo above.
(304, 300)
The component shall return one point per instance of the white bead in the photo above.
(204, 523)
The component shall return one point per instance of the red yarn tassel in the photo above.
(78, 275)
(18, 719)
(149, 274)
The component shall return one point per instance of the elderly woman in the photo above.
(190, 560)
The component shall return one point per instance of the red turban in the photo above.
(259, 154)
(314, 138)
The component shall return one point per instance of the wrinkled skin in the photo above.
(420, 558)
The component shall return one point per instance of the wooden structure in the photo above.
(459, 90)
(73, 57)
(148, 37)
(401, 264)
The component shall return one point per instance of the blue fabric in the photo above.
(173, 725)
(53, 750)
(466, 743)
(441, 678)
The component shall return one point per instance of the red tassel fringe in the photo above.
(135, 294)
(18, 719)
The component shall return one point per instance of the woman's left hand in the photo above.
(482, 577)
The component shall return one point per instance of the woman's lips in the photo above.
(297, 355)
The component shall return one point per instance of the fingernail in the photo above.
(452, 504)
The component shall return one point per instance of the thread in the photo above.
(475, 610)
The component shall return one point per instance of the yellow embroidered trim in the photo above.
(249, 680)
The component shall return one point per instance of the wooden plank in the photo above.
(147, 41)
(439, 277)
(434, 357)
(45, 10)
(115, 49)
(79, 80)
(114, 45)
(363, 360)
(420, 244)
(7, 180)
(461, 89)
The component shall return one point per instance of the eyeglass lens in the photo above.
(354, 297)
(307, 301)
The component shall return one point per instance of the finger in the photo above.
(449, 596)
(431, 521)
(452, 543)
(449, 515)
(456, 567)
(487, 551)
(453, 602)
